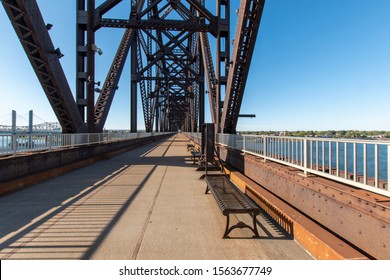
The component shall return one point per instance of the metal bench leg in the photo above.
(227, 230)
(255, 226)
(241, 224)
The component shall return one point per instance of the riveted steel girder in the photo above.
(110, 85)
(248, 23)
(31, 30)
(172, 57)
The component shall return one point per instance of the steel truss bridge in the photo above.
(172, 63)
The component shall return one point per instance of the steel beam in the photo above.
(31, 30)
(222, 55)
(110, 85)
(248, 23)
(133, 87)
(211, 79)
(90, 68)
(106, 6)
(156, 24)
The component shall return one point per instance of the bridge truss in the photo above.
(168, 43)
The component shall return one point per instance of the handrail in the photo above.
(14, 143)
(364, 164)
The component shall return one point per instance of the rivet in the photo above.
(383, 226)
(349, 202)
(360, 232)
(359, 215)
(383, 244)
(341, 206)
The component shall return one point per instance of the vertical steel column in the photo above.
(201, 89)
(91, 68)
(81, 53)
(30, 121)
(133, 89)
(157, 116)
(223, 55)
(13, 125)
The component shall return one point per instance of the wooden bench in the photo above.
(232, 201)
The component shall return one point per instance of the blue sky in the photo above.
(317, 65)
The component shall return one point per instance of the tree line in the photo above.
(361, 134)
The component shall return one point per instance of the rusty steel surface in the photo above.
(249, 17)
(170, 59)
(31, 30)
(359, 217)
(319, 242)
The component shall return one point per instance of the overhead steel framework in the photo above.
(171, 59)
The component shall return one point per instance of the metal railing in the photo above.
(11, 144)
(359, 163)
(194, 136)
(363, 164)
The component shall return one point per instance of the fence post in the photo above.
(388, 168)
(265, 147)
(50, 141)
(305, 154)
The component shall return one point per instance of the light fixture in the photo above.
(96, 49)
(49, 26)
(57, 52)
(98, 84)
(98, 90)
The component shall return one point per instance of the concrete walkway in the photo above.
(144, 204)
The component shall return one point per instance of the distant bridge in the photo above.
(46, 127)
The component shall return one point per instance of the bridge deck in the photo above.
(144, 204)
